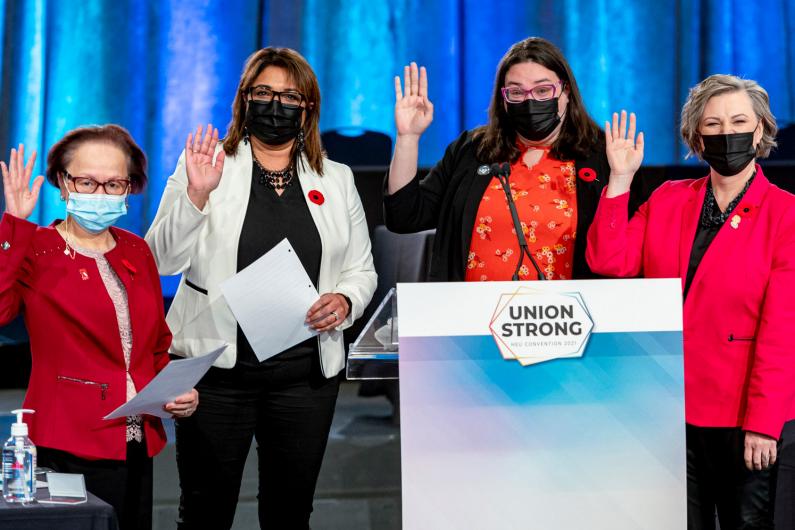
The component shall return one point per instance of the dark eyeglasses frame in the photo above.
(278, 95)
(125, 182)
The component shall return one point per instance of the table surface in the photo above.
(94, 514)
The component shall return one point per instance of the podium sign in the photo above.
(542, 405)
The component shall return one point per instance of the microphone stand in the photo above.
(502, 173)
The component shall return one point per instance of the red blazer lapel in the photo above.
(691, 213)
(734, 231)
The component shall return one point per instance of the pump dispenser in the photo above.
(19, 462)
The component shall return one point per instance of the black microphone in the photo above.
(502, 172)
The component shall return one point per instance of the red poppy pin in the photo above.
(316, 197)
(587, 174)
(745, 210)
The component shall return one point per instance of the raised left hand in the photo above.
(328, 312)
(184, 405)
(760, 451)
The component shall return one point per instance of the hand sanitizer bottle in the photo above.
(19, 463)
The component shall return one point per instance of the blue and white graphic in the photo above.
(534, 326)
(593, 437)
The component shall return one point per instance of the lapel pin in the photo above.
(316, 197)
(484, 170)
(83, 274)
(587, 174)
(129, 266)
(735, 222)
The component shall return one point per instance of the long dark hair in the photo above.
(579, 134)
(299, 71)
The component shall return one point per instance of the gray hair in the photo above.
(719, 84)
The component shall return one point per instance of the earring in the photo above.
(245, 135)
(300, 144)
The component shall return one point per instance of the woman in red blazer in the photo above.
(730, 236)
(90, 296)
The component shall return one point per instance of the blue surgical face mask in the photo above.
(95, 212)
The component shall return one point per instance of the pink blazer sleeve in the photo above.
(615, 244)
(771, 389)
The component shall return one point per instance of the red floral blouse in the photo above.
(546, 200)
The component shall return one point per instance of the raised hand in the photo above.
(624, 152)
(20, 196)
(413, 110)
(203, 174)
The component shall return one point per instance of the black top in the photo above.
(704, 236)
(448, 198)
(710, 223)
(269, 219)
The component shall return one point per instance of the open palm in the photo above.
(413, 110)
(624, 151)
(204, 174)
(20, 196)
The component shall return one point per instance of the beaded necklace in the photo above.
(276, 180)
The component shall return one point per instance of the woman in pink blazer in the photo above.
(730, 237)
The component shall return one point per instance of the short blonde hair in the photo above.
(716, 85)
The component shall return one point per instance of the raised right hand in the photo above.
(413, 111)
(203, 175)
(624, 153)
(20, 196)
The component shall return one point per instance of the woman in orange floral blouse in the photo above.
(546, 197)
(537, 123)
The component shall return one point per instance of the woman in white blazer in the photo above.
(227, 204)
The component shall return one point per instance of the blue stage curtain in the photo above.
(157, 68)
(641, 56)
(161, 67)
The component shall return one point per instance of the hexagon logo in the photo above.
(533, 326)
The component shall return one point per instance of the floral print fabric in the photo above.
(546, 201)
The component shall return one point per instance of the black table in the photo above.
(94, 514)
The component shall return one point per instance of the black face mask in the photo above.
(728, 154)
(534, 120)
(273, 123)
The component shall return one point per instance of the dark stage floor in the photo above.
(359, 486)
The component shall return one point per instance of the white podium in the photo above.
(542, 405)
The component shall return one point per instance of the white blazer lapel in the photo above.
(326, 203)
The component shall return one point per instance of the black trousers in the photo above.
(718, 480)
(287, 405)
(125, 485)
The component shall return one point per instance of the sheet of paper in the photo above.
(270, 298)
(174, 380)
